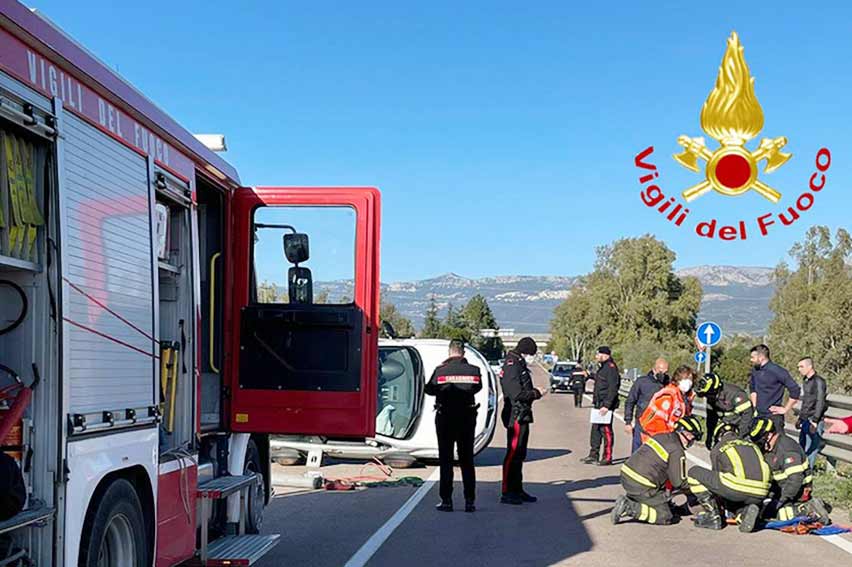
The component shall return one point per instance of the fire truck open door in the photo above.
(304, 307)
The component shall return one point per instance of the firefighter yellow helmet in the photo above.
(721, 430)
(690, 424)
(708, 384)
(761, 429)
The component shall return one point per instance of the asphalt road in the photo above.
(568, 526)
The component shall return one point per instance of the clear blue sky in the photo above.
(502, 135)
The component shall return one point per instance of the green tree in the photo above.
(400, 323)
(431, 324)
(477, 315)
(812, 307)
(632, 301)
(730, 359)
(454, 326)
(322, 297)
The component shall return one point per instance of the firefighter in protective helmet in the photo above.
(737, 484)
(726, 403)
(791, 475)
(653, 471)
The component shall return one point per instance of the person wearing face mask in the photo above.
(605, 400)
(641, 392)
(738, 483)
(518, 397)
(653, 472)
(671, 403)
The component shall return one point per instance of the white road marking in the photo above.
(372, 545)
(835, 540)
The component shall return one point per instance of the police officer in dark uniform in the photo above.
(656, 468)
(518, 396)
(578, 384)
(454, 383)
(605, 399)
(726, 403)
(792, 477)
(740, 479)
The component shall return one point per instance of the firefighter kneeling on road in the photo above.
(791, 475)
(740, 479)
(655, 469)
(726, 403)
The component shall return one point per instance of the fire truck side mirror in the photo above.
(296, 248)
(301, 286)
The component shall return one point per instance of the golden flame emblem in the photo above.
(732, 116)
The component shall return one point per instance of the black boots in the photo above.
(512, 499)
(444, 506)
(711, 517)
(590, 460)
(622, 509)
(469, 506)
(525, 497)
(748, 518)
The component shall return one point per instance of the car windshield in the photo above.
(398, 398)
(562, 370)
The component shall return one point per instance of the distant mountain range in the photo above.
(737, 298)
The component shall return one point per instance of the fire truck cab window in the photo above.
(304, 255)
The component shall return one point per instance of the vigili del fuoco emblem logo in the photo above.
(732, 116)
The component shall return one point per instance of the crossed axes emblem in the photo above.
(732, 169)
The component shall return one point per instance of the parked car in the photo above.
(560, 376)
(405, 424)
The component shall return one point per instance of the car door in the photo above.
(304, 311)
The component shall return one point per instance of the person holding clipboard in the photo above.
(604, 401)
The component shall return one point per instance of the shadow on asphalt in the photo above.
(535, 535)
(493, 456)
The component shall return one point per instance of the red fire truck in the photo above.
(148, 346)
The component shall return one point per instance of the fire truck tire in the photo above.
(254, 521)
(114, 532)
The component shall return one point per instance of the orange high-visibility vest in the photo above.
(665, 408)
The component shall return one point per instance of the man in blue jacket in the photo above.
(641, 392)
(767, 383)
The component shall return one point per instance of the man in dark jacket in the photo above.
(641, 392)
(454, 384)
(814, 406)
(605, 400)
(518, 396)
(766, 386)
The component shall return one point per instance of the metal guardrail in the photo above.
(835, 447)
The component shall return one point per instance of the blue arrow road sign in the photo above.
(700, 357)
(709, 333)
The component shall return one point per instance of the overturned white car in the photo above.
(405, 424)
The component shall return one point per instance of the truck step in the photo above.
(229, 551)
(35, 515)
(224, 486)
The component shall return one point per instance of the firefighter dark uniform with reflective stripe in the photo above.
(726, 403)
(791, 479)
(518, 397)
(454, 383)
(656, 468)
(740, 479)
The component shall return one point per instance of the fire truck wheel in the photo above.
(115, 528)
(258, 500)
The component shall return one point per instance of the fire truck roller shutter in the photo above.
(108, 279)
